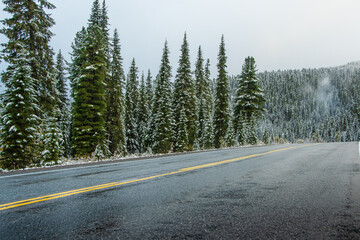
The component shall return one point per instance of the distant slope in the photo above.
(311, 104)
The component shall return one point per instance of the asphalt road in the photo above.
(271, 192)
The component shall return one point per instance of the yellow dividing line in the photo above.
(114, 184)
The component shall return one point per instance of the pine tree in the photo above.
(184, 96)
(29, 27)
(199, 87)
(63, 122)
(103, 23)
(249, 103)
(221, 113)
(74, 70)
(19, 123)
(115, 102)
(149, 96)
(89, 101)
(204, 96)
(131, 100)
(142, 115)
(161, 112)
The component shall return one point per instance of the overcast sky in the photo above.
(280, 34)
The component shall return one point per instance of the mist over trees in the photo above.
(312, 104)
(111, 114)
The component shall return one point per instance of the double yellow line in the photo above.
(114, 184)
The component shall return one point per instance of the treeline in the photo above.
(310, 104)
(112, 114)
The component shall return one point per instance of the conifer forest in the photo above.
(89, 106)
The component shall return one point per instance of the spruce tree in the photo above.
(63, 122)
(184, 96)
(249, 103)
(115, 101)
(19, 123)
(74, 70)
(199, 88)
(207, 138)
(161, 112)
(29, 27)
(89, 101)
(131, 100)
(204, 96)
(142, 115)
(149, 96)
(221, 112)
(103, 23)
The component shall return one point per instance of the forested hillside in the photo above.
(112, 114)
(311, 104)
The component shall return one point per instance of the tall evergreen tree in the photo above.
(29, 27)
(19, 126)
(89, 101)
(74, 70)
(104, 26)
(221, 112)
(131, 100)
(142, 115)
(207, 137)
(115, 102)
(249, 103)
(63, 102)
(184, 96)
(199, 89)
(204, 96)
(161, 112)
(149, 92)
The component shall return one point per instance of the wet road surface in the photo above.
(272, 192)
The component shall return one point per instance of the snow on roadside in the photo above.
(83, 161)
